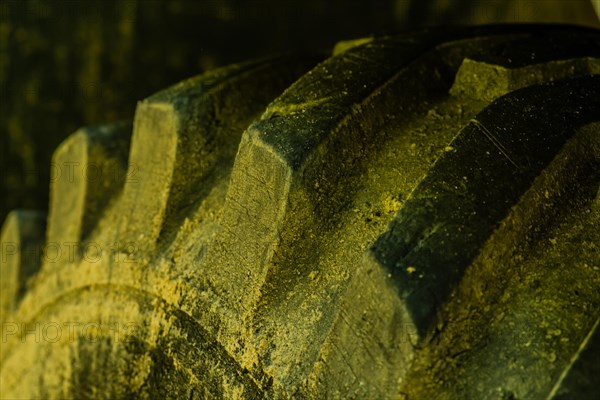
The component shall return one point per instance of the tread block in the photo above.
(271, 163)
(441, 227)
(22, 250)
(371, 344)
(345, 45)
(305, 115)
(511, 65)
(255, 206)
(510, 305)
(89, 169)
(189, 132)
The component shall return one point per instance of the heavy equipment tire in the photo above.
(413, 217)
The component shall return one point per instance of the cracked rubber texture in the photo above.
(415, 217)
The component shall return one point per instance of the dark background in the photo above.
(66, 64)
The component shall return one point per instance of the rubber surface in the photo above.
(414, 217)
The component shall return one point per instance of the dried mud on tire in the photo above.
(411, 217)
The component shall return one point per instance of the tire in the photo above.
(414, 217)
